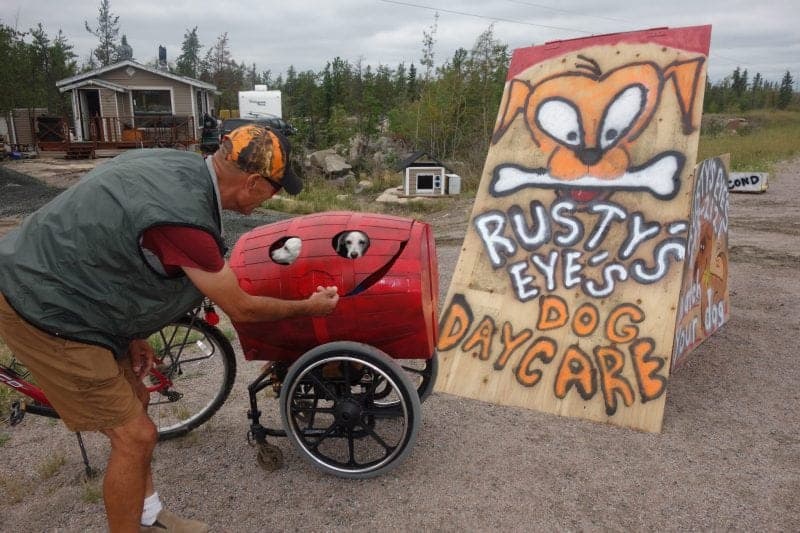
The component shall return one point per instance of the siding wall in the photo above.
(181, 92)
(24, 122)
(413, 172)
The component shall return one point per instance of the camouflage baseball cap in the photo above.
(260, 150)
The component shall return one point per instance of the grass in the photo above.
(51, 466)
(320, 194)
(7, 394)
(13, 489)
(769, 137)
(92, 491)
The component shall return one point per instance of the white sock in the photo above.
(152, 506)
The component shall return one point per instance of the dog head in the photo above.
(287, 253)
(352, 244)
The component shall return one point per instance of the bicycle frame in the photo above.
(41, 406)
(13, 379)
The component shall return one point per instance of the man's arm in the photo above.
(224, 290)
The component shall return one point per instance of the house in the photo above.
(425, 175)
(131, 103)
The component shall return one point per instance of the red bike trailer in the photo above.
(337, 375)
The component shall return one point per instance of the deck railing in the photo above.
(150, 130)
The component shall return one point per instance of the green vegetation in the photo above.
(51, 466)
(13, 489)
(7, 394)
(92, 491)
(320, 194)
(764, 139)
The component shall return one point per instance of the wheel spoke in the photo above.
(351, 449)
(346, 373)
(311, 409)
(392, 411)
(378, 439)
(323, 386)
(325, 435)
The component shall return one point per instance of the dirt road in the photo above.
(728, 457)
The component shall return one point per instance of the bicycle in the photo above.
(192, 376)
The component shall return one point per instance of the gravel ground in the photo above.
(728, 457)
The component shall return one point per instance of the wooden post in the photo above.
(564, 298)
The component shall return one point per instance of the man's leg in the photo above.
(128, 472)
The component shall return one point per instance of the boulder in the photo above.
(329, 162)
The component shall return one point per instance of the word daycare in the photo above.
(503, 233)
(601, 370)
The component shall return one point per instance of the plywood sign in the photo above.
(704, 304)
(565, 295)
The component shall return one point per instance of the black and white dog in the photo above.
(287, 254)
(352, 244)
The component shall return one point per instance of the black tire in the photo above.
(332, 415)
(422, 373)
(201, 364)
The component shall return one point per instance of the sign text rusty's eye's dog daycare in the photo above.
(566, 292)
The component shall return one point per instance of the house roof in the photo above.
(413, 158)
(61, 84)
(94, 83)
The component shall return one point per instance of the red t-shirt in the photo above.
(180, 246)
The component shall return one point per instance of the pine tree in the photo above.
(428, 40)
(412, 88)
(106, 31)
(188, 63)
(124, 51)
(785, 91)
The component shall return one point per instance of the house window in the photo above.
(152, 108)
(152, 102)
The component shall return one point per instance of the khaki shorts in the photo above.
(90, 390)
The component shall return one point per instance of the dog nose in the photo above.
(353, 255)
(589, 156)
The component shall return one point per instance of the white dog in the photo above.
(352, 244)
(287, 254)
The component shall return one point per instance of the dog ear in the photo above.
(515, 99)
(340, 242)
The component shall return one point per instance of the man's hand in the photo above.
(141, 354)
(324, 301)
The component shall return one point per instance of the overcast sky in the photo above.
(759, 36)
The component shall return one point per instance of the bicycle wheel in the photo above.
(192, 377)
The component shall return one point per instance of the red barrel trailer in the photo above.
(350, 383)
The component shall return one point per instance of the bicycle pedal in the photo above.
(17, 413)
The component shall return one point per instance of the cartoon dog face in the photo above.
(352, 244)
(586, 122)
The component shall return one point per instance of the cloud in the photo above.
(309, 33)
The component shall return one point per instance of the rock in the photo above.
(329, 162)
(363, 185)
(392, 196)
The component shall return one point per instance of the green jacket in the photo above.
(75, 268)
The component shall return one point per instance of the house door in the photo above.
(91, 123)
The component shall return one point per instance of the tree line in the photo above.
(738, 92)
(446, 107)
